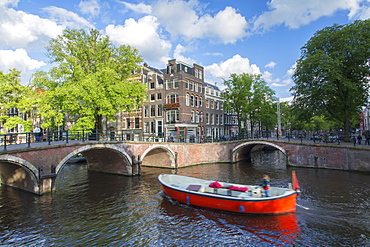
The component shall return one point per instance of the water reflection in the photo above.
(271, 229)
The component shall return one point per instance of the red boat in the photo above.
(237, 198)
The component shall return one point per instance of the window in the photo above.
(192, 116)
(152, 85)
(207, 118)
(146, 111)
(137, 123)
(187, 99)
(221, 120)
(128, 123)
(196, 87)
(191, 100)
(200, 74)
(216, 119)
(146, 127)
(187, 84)
(152, 97)
(152, 127)
(172, 116)
(172, 98)
(212, 119)
(159, 96)
(160, 81)
(200, 88)
(217, 105)
(170, 69)
(207, 103)
(200, 102)
(175, 83)
(168, 84)
(191, 86)
(196, 101)
(159, 110)
(152, 110)
(221, 106)
(196, 73)
(212, 104)
(197, 116)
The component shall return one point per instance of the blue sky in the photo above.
(225, 36)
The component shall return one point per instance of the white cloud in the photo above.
(140, 8)
(178, 55)
(236, 64)
(268, 77)
(90, 7)
(296, 13)
(284, 83)
(18, 60)
(180, 18)
(19, 29)
(287, 81)
(141, 34)
(362, 12)
(9, 2)
(270, 65)
(215, 54)
(67, 18)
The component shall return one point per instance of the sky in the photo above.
(224, 36)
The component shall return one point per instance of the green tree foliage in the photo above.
(250, 99)
(14, 95)
(90, 80)
(332, 74)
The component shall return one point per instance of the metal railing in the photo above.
(49, 137)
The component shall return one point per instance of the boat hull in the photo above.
(267, 205)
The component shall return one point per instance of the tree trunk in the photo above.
(347, 126)
(99, 122)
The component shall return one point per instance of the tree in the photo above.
(91, 79)
(332, 75)
(14, 96)
(250, 99)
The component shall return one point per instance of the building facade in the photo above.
(184, 102)
(214, 113)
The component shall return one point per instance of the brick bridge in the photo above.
(35, 169)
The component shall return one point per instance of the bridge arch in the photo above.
(159, 155)
(19, 173)
(243, 151)
(102, 157)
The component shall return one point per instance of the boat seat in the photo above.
(194, 187)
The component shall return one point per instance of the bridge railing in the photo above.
(32, 139)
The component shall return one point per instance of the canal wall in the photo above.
(341, 157)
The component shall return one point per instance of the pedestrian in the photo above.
(37, 133)
(266, 185)
(367, 137)
(359, 139)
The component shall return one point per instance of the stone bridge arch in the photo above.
(159, 156)
(103, 158)
(243, 151)
(19, 173)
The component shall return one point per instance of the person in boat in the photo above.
(266, 185)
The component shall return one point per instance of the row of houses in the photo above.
(181, 106)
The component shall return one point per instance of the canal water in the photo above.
(95, 209)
